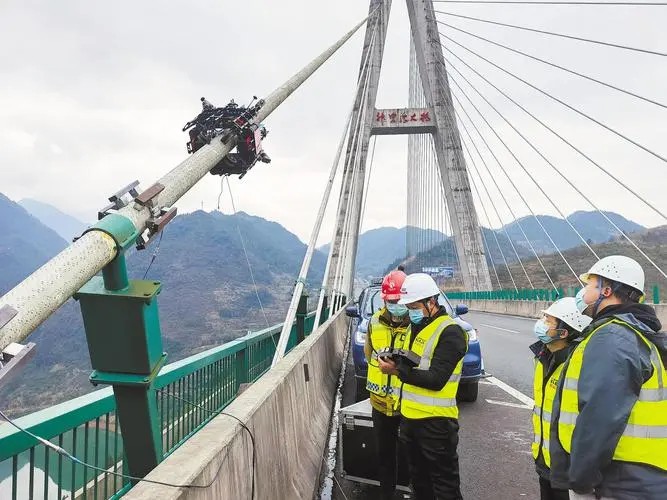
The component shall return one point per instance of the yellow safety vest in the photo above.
(644, 439)
(544, 402)
(385, 389)
(417, 402)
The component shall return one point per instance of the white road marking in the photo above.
(512, 391)
(505, 403)
(498, 328)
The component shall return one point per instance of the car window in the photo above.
(372, 302)
(444, 301)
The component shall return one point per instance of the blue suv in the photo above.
(369, 302)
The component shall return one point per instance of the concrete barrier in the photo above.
(525, 308)
(534, 308)
(287, 410)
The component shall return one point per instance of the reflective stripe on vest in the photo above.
(417, 402)
(544, 401)
(657, 394)
(644, 439)
(545, 447)
(384, 386)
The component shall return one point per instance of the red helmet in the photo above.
(391, 285)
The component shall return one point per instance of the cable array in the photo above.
(339, 272)
(471, 105)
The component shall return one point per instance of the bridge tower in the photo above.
(435, 117)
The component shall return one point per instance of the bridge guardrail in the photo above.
(546, 294)
(87, 428)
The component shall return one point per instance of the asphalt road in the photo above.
(495, 434)
(505, 341)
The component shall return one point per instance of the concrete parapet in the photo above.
(526, 308)
(534, 308)
(288, 411)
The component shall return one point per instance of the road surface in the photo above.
(496, 432)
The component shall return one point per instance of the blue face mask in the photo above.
(541, 331)
(398, 310)
(416, 315)
(579, 300)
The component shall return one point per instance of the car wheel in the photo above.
(360, 393)
(468, 392)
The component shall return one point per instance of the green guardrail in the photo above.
(520, 294)
(87, 426)
(547, 294)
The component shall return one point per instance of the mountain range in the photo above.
(652, 241)
(379, 247)
(591, 225)
(65, 225)
(385, 247)
(222, 275)
(25, 243)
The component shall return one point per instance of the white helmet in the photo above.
(566, 310)
(417, 287)
(618, 268)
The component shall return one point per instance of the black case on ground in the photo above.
(357, 455)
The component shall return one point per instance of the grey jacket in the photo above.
(615, 366)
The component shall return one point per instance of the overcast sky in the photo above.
(94, 95)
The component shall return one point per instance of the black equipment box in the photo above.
(357, 455)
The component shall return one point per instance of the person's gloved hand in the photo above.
(582, 496)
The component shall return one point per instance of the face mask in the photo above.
(416, 315)
(579, 300)
(541, 331)
(398, 310)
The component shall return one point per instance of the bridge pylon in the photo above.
(435, 117)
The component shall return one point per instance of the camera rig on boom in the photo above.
(230, 121)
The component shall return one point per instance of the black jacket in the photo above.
(449, 350)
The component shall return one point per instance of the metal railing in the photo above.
(188, 393)
(547, 294)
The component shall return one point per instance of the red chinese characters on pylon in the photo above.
(398, 117)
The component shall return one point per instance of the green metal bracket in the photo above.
(125, 345)
(125, 234)
(119, 228)
(128, 379)
(122, 326)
